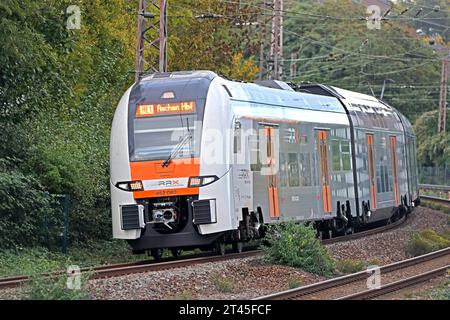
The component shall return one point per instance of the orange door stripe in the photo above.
(271, 203)
(324, 168)
(274, 207)
(393, 140)
(372, 171)
(276, 202)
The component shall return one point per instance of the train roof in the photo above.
(255, 93)
(366, 111)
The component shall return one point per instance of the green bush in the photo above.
(441, 293)
(418, 246)
(43, 288)
(296, 245)
(28, 214)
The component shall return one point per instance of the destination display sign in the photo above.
(149, 110)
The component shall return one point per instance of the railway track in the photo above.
(336, 285)
(444, 202)
(145, 266)
(398, 285)
(116, 270)
(444, 192)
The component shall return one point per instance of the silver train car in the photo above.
(199, 161)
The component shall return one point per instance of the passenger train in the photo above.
(200, 161)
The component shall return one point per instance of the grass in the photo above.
(294, 281)
(435, 206)
(40, 288)
(185, 295)
(347, 266)
(427, 241)
(222, 283)
(435, 193)
(28, 261)
(350, 265)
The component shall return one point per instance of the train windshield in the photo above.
(156, 138)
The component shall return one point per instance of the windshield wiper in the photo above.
(177, 149)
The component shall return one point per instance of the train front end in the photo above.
(155, 164)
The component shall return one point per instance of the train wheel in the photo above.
(176, 253)
(220, 247)
(157, 254)
(237, 247)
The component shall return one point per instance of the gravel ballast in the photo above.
(251, 277)
(247, 278)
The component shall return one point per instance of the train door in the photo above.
(272, 165)
(322, 148)
(394, 159)
(372, 171)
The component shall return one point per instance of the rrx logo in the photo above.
(169, 183)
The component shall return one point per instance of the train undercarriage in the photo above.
(170, 224)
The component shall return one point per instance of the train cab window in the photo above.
(293, 170)
(156, 137)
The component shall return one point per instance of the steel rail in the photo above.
(341, 281)
(434, 187)
(445, 202)
(397, 285)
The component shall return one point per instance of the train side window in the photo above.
(341, 155)
(305, 170)
(383, 176)
(345, 153)
(380, 174)
(237, 141)
(389, 178)
(253, 142)
(336, 154)
(283, 170)
(293, 170)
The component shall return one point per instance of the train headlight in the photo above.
(195, 182)
(130, 185)
(136, 186)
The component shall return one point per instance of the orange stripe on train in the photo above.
(153, 170)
